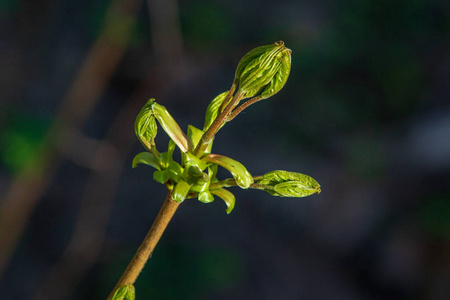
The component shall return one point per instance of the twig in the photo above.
(148, 245)
(215, 126)
(246, 104)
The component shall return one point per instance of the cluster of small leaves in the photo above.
(260, 74)
(192, 177)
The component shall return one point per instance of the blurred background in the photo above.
(366, 112)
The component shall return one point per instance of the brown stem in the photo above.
(228, 97)
(215, 126)
(230, 182)
(242, 107)
(146, 248)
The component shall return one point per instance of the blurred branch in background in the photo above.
(165, 28)
(85, 243)
(107, 164)
(29, 185)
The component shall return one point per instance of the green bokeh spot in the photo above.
(21, 141)
(434, 216)
(207, 25)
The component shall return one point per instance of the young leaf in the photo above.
(124, 292)
(171, 127)
(161, 176)
(145, 125)
(192, 160)
(170, 150)
(243, 178)
(180, 191)
(167, 157)
(175, 171)
(212, 172)
(226, 196)
(288, 184)
(194, 134)
(205, 197)
(146, 158)
(213, 110)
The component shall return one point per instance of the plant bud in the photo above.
(171, 127)
(194, 176)
(124, 292)
(180, 191)
(264, 70)
(288, 184)
(145, 125)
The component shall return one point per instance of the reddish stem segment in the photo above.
(215, 126)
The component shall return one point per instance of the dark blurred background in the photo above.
(365, 111)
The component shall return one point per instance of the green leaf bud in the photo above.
(194, 134)
(194, 176)
(124, 292)
(243, 178)
(161, 176)
(171, 127)
(264, 70)
(205, 197)
(180, 191)
(213, 109)
(288, 184)
(145, 125)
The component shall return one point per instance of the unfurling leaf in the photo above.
(226, 196)
(171, 127)
(146, 158)
(264, 69)
(124, 292)
(213, 109)
(192, 160)
(145, 125)
(161, 176)
(180, 191)
(288, 184)
(194, 134)
(175, 171)
(205, 197)
(243, 178)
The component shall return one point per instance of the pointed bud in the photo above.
(180, 191)
(124, 292)
(171, 127)
(288, 184)
(264, 70)
(145, 125)
(213, 109)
